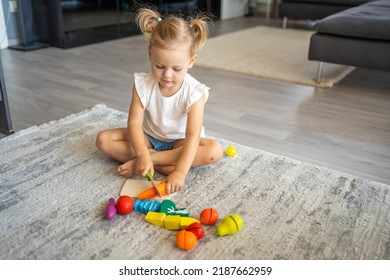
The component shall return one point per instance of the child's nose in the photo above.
(167, 73)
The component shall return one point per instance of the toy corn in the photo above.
(144, 206)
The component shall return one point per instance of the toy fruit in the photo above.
(231, 151)
(197, 229)
(175, 222)
(229, 225)
(209, 216)
(185, 240)
(151, 192)
(125, 204)
(110, 211)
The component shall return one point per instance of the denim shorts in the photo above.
(159, 145)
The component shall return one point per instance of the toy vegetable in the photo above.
(151, 192)
(110, 211)
(197, 229)
(209, 216)
(144, 206)
(125, 204)
(169, 208)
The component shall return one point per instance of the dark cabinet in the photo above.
(67, 24)
(5, 116)
(70, 23)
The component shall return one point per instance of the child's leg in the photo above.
(209, 151)
(114, 143)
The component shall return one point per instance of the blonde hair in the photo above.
(163, 32)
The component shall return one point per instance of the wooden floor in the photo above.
(346, 127)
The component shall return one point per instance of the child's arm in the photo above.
(136, 136)
(175, 180)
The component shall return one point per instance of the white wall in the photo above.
(3, 30)
(232, 8)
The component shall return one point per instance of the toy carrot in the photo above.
(151, 192)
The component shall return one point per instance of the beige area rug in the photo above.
(269, 52)
(54, 185)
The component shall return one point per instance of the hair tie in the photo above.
(158, 19)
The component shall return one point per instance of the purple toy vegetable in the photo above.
(110, 211)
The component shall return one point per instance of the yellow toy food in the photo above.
(229, 225)
(231, 151)
(175, 222)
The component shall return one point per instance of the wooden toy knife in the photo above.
(149, 176)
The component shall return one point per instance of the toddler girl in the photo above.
(165, 124)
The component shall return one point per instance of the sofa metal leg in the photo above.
(284, 22)
(268, 11)
(319, 73)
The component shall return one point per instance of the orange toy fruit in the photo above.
(209, 216)
(185, 240)
(151, 192)
(125, 204)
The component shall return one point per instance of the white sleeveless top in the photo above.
(165, 118)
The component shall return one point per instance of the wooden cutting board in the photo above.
(133, 187)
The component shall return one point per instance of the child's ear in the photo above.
(193, 59)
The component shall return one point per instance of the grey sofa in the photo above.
(314, 9)
(358, 36)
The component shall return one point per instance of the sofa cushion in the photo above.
(371, 20)
(331, 2)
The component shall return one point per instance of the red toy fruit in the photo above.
(185, 240)
(209, 216)
(125, 204)
(197, 229)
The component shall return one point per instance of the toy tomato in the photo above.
(185, 240)
(125, 204)
(197, 229)
(209, 216)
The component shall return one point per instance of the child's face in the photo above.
(169, 66)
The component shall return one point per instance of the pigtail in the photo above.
(162, 32)
(147, 21)
(200, 30)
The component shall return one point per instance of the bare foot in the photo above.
(127, 169)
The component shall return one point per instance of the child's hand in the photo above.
(143, 164)
(175, 181)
